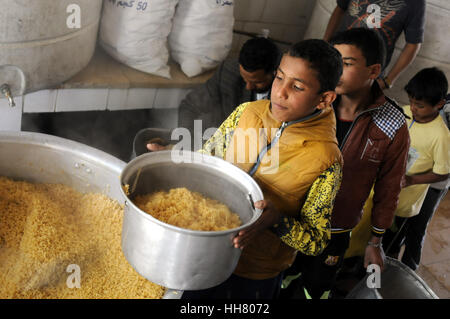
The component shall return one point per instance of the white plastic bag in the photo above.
(201, 34)
(135, 33)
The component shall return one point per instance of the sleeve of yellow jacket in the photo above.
(310, 232)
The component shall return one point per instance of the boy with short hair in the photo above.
(374, 141)
(299, 188)
(430, 146)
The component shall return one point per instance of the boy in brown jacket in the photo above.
(374, 140)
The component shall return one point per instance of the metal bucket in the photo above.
(149, 135)
(179, 258)
(398, 281)
(42, 158)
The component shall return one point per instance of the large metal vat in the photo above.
(44, 39)
(42, 158)
(180, 258)
(36, 157)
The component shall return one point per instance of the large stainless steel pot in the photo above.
(398, 281)
(44, 158)
(179, 258)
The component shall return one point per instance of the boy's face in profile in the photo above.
(295, 90)
(356, 74)
(422, 111)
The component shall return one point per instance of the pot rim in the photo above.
(129, 202)
(54, 142)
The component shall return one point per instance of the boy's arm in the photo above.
(310, 232)
(414, 30)
(407, 56)
(440, 150)
(386, 193)
(388, 182)
(425, 178)
(333, 23)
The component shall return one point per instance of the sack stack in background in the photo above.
(135, 33)
(201, 35)
(138, 33)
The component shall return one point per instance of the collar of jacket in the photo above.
(378, 99)
(277, 136)
(319, 126)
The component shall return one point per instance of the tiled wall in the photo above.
(102, 99)
(10, 117)
(287, 20)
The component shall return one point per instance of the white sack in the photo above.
(135, 33)
(201, 34)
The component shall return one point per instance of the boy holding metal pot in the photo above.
(289, 146)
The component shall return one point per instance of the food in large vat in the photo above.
(48, 230)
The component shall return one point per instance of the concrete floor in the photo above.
(435, 264)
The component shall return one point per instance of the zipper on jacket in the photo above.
(275, 140)
(341, 147)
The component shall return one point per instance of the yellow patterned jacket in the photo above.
(298, 166)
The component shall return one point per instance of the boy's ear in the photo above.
(441, 104)
(326, 99)
(375, 71)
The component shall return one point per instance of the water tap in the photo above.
(6, 91)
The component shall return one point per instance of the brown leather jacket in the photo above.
(375, 152)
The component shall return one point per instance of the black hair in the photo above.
(368, 41)
(323, 58)
(429, 85)
(259, 54)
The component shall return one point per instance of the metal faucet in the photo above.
(5, 88)
(6, 91)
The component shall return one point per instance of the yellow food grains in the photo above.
(183, 208)
(45, 228)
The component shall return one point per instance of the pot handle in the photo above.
(250, 199)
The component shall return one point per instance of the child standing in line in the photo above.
(430, 162)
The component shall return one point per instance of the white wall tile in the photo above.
(286, 11)
(40, 101)
(240, 42)
(69, 100)
(169, 98)
(117, 99)
(293, 33)
(235, 45)
(140, 98)
(276, 30)
(249, 10)
(10, 117)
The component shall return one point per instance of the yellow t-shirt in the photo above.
(430, 142)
